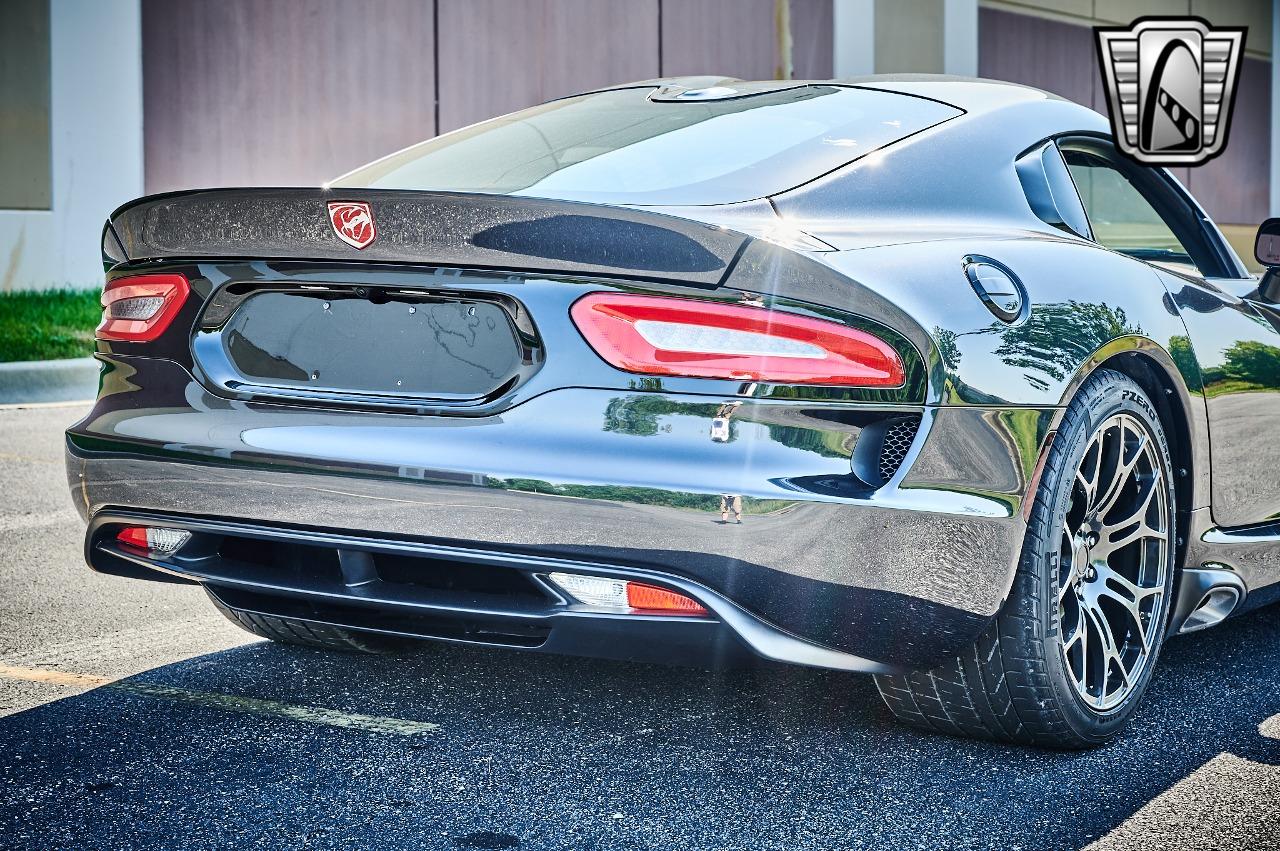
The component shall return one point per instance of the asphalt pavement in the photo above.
(132, 715)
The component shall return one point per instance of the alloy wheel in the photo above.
(1114, 562)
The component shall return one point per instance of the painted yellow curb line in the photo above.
(229, 702)
(58, 678)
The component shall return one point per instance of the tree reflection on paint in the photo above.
(1184, 358)
(1246, 365)
(1057, 338)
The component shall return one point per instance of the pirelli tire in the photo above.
(1029, 679)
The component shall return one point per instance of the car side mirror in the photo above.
(1266, 249)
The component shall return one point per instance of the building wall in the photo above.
(261, 92)
(258, 92)
(1051, 46)
(26, 179)
(94, 146)
(1254, 14)
(812, 46)
(295, 92)
(909, 36)
(496, 56)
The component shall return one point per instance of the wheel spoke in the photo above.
(1137, 593)
(1065, 583)
(1121, 477)
(1068, 582)
(1132, 603)
(1080, 635)
(1141, 508)
(1099, 624)
(1084, 649)
(1110, 652)
(1087, 475)
(1137, 532)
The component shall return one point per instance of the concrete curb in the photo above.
(70, 380)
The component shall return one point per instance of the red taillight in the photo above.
(138, 309)
(134, 536)
(650, 598)
(656, 335)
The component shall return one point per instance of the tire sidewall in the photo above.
(1103, 396)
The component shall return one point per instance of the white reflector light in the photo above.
(156, 540)
(166, 541)
(625, 596)
(678, 337)
(137, 309)
(594, 590)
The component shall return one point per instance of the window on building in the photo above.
(26, 182)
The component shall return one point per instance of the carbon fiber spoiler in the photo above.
(476, 231)
(495, 232)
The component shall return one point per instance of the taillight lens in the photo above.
(158, 541)
(657, 335)
(625, 596)
(139, 308)
(651, 598)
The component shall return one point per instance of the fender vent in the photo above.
(898, 436)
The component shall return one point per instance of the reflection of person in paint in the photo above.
(720, 434)
(720, 425)
(730, 502)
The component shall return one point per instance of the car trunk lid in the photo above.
(473, 231)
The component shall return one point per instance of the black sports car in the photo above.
(912, 376)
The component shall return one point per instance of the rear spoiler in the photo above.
(475, 231)
(501, 233)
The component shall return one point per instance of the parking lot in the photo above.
(133, 715)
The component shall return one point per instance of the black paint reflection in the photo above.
(591, 240)
(1233, 352)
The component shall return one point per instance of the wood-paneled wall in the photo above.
(1061, 58)
(1235, 187)
(497, 56)
(294, 92)
(26, 170)
(263, 92)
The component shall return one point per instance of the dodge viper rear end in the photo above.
(575, 381)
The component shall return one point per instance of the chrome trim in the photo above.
(1206, 597)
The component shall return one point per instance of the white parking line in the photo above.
(228, 702)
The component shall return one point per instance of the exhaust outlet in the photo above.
(1206, 597)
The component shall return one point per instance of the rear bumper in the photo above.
(892, 574)
(540, 618)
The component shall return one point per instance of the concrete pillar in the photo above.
(894, 36)
(960, 37)
(1275, 108)
(854, 33)
(909, 36)
(95, 119)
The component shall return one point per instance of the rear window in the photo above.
(620, 147)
